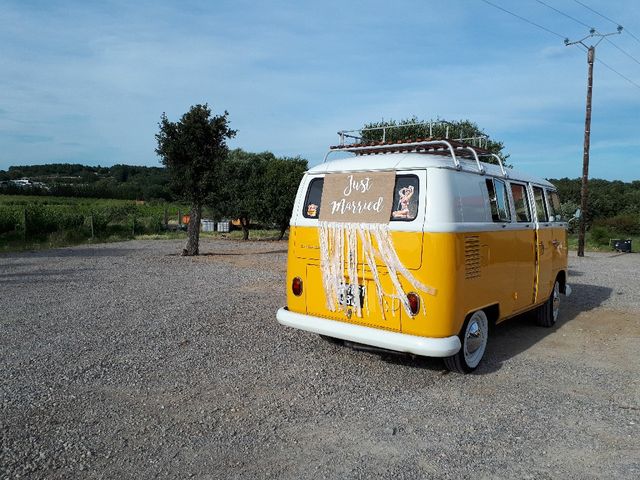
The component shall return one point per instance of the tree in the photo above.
(281, 180)
(193, 150)
(458, 129)
(258, 186)
(242, 187)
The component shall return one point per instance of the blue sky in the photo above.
(86, 82)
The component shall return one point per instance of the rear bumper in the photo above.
(400, 342)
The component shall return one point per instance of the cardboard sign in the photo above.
(365, 197)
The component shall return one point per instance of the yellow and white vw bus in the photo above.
(463, 244)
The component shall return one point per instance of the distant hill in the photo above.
(74, 180)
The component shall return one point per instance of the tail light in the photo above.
(296, 286)
(414, 303)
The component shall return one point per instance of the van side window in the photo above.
(521, 202)
(541, 207)
(499, 200)
(405, 198)
(311, 208)
(555, 213)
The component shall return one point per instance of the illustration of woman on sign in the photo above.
(405, 194)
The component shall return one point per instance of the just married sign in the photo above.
(365, 197)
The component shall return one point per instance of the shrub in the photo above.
(600, 235)
(627, 224)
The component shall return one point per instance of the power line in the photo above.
(611, 68)
(564, 14)
(607, 18)
(591, 28)
(523, 19)
(624, 51)
(597, 13)
(618, 73)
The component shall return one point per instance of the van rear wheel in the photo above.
(473, 337)
(547, 314)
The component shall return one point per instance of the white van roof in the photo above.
(415, 161)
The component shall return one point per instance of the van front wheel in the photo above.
(547, 314)
(473, 338)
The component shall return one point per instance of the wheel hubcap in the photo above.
(556, 301)
(475, 338)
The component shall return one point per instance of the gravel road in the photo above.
(127, 361)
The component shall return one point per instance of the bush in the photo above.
(600, 235)
(625, 225)
(10, 218)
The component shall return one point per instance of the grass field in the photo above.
(35, 222)
(597, 247)
(40, 222)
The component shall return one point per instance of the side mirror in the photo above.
(576, 216)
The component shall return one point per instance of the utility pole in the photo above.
(584, 191)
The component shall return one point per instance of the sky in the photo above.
(86, 82)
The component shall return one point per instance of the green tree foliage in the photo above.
(281, 180)
(258, 186)
(456, 129)
(242, 183)
(193, 150)
(126, 182)
(613, 205)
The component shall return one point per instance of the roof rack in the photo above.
(458, 148)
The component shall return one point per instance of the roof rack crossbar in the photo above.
(475, 156)
(505, 174)
(416, 146)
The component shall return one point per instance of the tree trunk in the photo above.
(193, 231)
(283, 229)
(244, 223)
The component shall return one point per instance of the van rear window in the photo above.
(312, 202)
(405, 198)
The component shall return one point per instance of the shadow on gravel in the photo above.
(269, 252)
(40, 276)
(76, 252)
(518, 334)
(511, 337)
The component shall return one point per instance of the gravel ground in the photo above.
(125, 360)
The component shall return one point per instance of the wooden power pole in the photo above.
(584, 191)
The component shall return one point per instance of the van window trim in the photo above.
(509, 202)
(548, 192)
(544, 202)
(407, 220)
(514, 218)
(306, 197)
(397, 175)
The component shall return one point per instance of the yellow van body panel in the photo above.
(469, 270)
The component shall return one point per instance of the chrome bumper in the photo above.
(400, 342)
